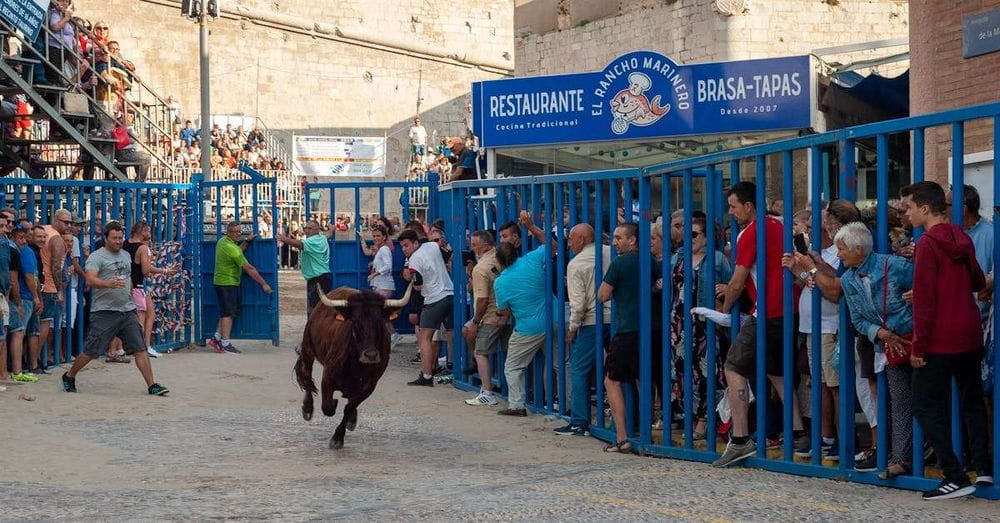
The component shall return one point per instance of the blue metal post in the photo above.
(789, 307)
(548, 270)
(996, 297)
(645, 313)
(882, 246)
(688, 300)
(713, 190)
(957, 217)
(816, 336)
(666, 301)
(560, 319)
(761, 285)
(918, 176)
(848, 177)
(599, 278)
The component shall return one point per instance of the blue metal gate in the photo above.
(246, 202)
(598, 198)
(169, 211)
(398, 201)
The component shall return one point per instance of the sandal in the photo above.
(623, 446)
(896, 469)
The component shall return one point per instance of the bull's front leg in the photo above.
(329, 404)
(303, 373)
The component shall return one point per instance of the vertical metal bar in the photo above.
(645, 313)
(306, 203)
(789, 309)
(816, 319)
(381, 200)
(882, 246)
(996, 297)
(688, 300)
(957, 217)
(255, 201)
(560, 312)
(918, 176)
(585, 204)
(761, 286)
(848, 177)
(549, 368)
(627, 198)
(460, 224)
(599, 323)
(358, 274)
(712, 192)
(734, 234)
(666, 302)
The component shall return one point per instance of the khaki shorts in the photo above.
(489, 338)
(830, 367)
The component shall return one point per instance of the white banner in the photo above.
(338, 156)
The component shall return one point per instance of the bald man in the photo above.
(53, 289)
(581, 287)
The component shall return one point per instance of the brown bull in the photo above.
(349, 335)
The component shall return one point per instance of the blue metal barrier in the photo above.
(394, 200)
(169, 211)
(593, 198)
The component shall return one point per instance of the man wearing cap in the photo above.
(465, 160)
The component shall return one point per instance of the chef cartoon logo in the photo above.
(631, 106)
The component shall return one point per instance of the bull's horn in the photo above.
(327, 301)
(402, 301)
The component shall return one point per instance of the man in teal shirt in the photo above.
(315, 261)
(229, 266)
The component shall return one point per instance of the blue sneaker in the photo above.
(228, 347)
(69, 384)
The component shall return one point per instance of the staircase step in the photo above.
(53, 88)
(68, 114)
(22, 60)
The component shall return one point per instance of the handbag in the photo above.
(894, 356)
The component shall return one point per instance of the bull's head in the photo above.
(369, 314)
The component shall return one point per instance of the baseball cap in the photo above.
(78, 219)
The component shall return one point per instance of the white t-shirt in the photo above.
(829, 311)
(418, 135)
(383, 266)
(428, 262)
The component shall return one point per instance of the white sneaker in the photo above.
(152, 352)
(482, 399)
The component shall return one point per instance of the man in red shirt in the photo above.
(741, 359)
(947, 339)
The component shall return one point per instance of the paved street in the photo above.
(229, 442)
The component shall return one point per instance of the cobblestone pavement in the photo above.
(229, 442)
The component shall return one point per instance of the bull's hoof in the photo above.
(330, 409)
(307, 414)
(336, 445)
(351, 424)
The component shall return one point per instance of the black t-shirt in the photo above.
(15, 258)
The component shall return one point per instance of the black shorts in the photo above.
(622, 361)
(436, 314)
(866, 357)
(108, 325)
(742, 356)
(229, 300)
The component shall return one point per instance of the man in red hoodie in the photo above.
(947, 339)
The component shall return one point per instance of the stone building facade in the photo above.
(942, 79)
(324, 67)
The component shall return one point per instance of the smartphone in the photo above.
(801, 244)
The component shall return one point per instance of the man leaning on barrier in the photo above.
(742, 357)
(581, 289)
(229, 266)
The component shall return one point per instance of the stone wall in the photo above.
(692, 31)
(308, 84)
(941, 79)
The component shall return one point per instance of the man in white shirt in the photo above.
(418, 139)
(426, 261)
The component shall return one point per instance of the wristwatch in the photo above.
(805, 275)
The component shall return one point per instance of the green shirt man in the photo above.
(230, 263)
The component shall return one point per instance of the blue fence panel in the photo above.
(348, 264)
(239, 201)
(690, 366)
(169, 211)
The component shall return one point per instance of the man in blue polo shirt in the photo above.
(520, 288)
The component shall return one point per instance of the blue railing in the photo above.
(658, 190)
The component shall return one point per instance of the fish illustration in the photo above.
(631, 106)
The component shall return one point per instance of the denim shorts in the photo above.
(19, 322)
(49, 306)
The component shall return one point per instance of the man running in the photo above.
(113, 311)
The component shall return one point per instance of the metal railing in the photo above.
(667, 385)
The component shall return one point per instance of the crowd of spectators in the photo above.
(452, 158)
(229, 147)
